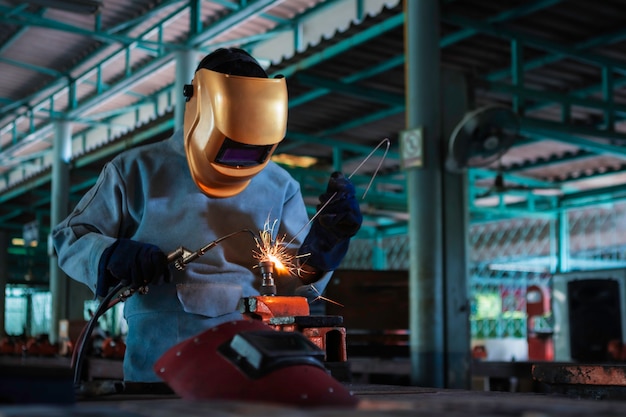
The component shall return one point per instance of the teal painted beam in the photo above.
(233, 6)
(18, 34)
(510, 177)
(29, 19)
(383, 190)
(554, 98)
(21, 188)
(118, 146)
(58, 85)
(573, 134)
(331, 143)
(517, 72)
(364, 93)
(154, 11)
(344, 45)
(534, 206)
(531, 64)
(235, 17)
(509, 212)
(94, 118)
(607, 93)
(359, 122)
(245, 42)
(315, 178)
(118, 88)
(284, 25)
(516, 12)
(122, 85)
(31, 67)
(500, 31)
(369, 72)
(604, 194)
(550, 160)
(84, 160)
(229, 21)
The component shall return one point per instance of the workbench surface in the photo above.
(374, 400)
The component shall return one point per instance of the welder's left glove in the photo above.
(327, 242)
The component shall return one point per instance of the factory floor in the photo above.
(374, 400)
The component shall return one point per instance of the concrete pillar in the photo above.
(58, 211)
(424, 185)
(186, 63)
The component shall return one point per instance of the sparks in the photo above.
(320, 297)
(275, 250)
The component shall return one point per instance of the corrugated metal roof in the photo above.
(346, 86)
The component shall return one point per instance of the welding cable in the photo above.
(78, 354)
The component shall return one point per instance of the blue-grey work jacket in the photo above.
(147, 194)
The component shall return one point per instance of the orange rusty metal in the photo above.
(282, 312)
(335, 347)
(606, 375)
(266, 307)
(330, 338)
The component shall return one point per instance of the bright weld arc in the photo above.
(276, 251)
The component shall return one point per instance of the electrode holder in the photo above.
(268, 286)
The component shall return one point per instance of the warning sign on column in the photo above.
(411, 148)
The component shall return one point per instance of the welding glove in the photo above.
(134, 264)
(327, 242)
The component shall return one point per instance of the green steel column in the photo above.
(563, 243)
(62, 151)
(4, 271)
(426, 321)
(554, 247)
(186, 63)
(455, 103)
(379, 254)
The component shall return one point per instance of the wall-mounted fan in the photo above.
(482, 137)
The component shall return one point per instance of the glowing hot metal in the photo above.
(276, 251)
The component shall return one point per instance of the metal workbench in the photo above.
(375, 400)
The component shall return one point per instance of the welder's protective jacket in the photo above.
(147, 194)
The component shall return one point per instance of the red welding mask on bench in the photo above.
(247, 360)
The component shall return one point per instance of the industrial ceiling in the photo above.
(108, 67)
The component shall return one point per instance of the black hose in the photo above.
(79, 350)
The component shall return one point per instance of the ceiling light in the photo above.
(294, 160)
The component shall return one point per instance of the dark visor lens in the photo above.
(240, 154)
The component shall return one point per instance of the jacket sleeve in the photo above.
(92, 226)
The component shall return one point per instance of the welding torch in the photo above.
(181, 256)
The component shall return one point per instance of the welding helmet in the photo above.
(247, 360)
(235, 116)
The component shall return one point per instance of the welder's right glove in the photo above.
(329, 238)
(134, 264)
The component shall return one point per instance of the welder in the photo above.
(209, 179)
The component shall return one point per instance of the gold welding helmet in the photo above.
(232, 126)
